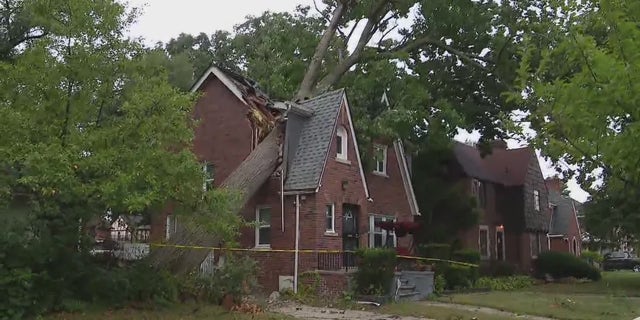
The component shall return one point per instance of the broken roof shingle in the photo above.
(315, 138)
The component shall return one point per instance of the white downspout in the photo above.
(295, 266)
(282, 199)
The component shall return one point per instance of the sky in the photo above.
(162, 20)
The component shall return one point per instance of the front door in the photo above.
(350, 234)
(500, 244)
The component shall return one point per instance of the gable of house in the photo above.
(512, 168)
(327, 119)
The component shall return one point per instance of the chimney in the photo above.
(498, 144)
(555, 183)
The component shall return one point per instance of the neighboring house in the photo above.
(126, 238)
(320, 198)
(564, 230)
(512, 198)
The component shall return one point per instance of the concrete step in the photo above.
(408, 296)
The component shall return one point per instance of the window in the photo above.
(208, 169)
(341, 144)
(536, 200)
(330, 217)
(378, 237)
(263, 227)
(535, 244)
(380, 159)
(171, 226)
(479, 192)
(483, 242)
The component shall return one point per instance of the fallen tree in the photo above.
(241, 185)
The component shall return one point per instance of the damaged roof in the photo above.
(312, 140)
(504, 166)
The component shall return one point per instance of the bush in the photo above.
(562, 265)
(435, 250)
(440, 284)
(591, 257)
(459, 276)
(237, 277)
(504, 283)
(497, 269)
(376, 268)
(466, 255)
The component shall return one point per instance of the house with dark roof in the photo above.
(564, 229)
(320, 199)
(513, 200)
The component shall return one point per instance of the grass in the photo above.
(436, 312)
(174, 312)
(614, 297)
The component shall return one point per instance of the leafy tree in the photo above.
(583, 96)
(448, 208)
(88, 122)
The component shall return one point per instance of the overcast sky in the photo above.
(162, 20)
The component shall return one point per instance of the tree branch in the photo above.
(367, 33)
(313, 71)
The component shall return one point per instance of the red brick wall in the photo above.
(327, 284)
(388, 193)
(223, 134)
(336, 174)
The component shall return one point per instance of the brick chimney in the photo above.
(498, 144)
(555, 183)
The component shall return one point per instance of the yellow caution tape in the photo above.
(300, 251)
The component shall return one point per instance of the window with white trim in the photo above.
(479, 192)
(378, 237)
(330, 218)
(380, 159)
(171, 226)
(536, 200)
(483, 242)
(341, 143)
(263, 227)
(208, 170)
(534, 240)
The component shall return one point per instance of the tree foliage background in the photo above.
(88, 124)
(581, 83)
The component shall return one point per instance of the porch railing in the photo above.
(337, 261)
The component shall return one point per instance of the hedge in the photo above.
(562, 265)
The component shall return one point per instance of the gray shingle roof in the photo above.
(562, 214)
(313, 144)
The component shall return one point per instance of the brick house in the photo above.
(564, 230)
(512, 197)
(320, 197)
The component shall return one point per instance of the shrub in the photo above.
(436, 250)
(440, 284)
(466, 255)
(562, 265)
(591, 257)
(504, 283)
(237, 277)
(376, 268)
(459, 276)
(497, 269)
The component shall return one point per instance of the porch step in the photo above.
(408, 296)
(407, 287)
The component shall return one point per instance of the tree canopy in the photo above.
(582, 93)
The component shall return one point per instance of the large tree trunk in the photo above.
(246, 180)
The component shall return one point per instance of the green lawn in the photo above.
(176, 312)
(616, 296)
